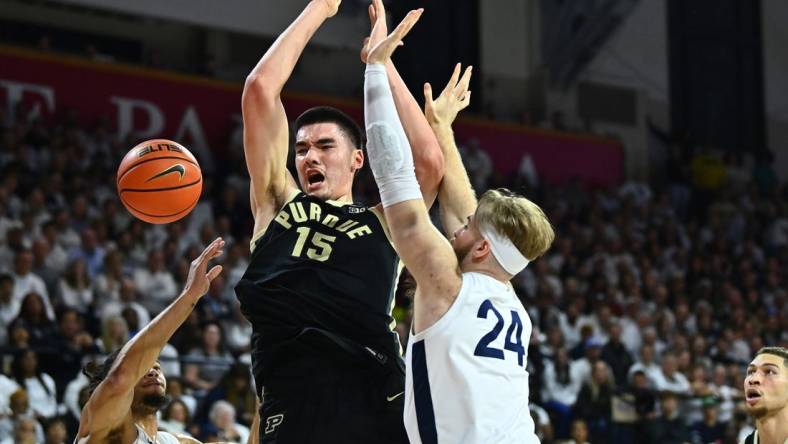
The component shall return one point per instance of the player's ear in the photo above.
(481, 249)
(357, 159)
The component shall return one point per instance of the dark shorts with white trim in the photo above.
(363, 407)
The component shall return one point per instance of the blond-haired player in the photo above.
(766, 393)
(466, 379)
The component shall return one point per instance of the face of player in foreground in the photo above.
(151, 389)
(463, 240)
(326, 161)
(766, 385)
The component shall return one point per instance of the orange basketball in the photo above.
(159, 181)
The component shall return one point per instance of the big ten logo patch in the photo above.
(272, 422)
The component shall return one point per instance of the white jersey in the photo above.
(161, 437)
(466, 378)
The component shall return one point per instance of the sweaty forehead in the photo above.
(767, 358)
(316, 131)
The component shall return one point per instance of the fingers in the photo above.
(214, 272)
(212, 248)
(427, 96)
(466, 100)
(407, 23)
(462, 86)
(372, 14)
(455, 75)
(378, 9)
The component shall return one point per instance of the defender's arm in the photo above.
(110, 403)
(456, 196)
(427, 155)
(425, 252)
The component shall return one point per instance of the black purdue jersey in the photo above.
(320, 269)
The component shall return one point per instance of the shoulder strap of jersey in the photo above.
(260, 233)
(382, 219)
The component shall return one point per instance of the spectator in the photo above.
(594, 402)
(615, 354)
(42, 269)
(236, 388)
(36, 320)
(725, 393)
(176, 391)
(7, 387)
(155, 284)
(710, 429)
(647, 365)
(114, 333)
(57, 257)
(579, 434)
(542, 425)
(669, 379)
(75, 287)
(39, 385)
(25, 432)
(9, 307)
(175, 418)
(107, 283)
(214, 306)
(63, 358)
(19, 404)
(127, 300)
(25, 282)
(477, 162)
(669, 428)
(55, 431)
(562, 383)
(208, 362)
(223, 426)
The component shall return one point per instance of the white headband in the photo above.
(504, 251)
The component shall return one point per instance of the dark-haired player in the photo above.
(129, 387)
(766, 394)
(321, 279)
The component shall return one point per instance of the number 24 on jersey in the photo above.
(514, 334)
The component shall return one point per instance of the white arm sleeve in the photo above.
(387, 145)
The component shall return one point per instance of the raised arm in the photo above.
(425, 252)
(266, 135)
(427, 155)
(456, 196)
(110, 403)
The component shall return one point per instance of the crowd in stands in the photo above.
(645, 311)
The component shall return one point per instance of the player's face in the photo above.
(766, 385)
(326, 161)
(152, 385)
(464, 239)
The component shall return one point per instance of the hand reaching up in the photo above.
(381, 51)
(454, 98)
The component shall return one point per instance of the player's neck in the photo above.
(773, 428)
(345, 198)
(487, 269)
(147, 420)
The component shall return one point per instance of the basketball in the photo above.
(159, 181)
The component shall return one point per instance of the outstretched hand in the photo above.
(454, 98)
(378, 27)
(199, 279)
(381, 51)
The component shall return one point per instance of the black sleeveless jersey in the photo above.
(320, 269)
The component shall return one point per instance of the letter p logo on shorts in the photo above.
(272, 422)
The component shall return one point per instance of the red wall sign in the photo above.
(193, 110)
